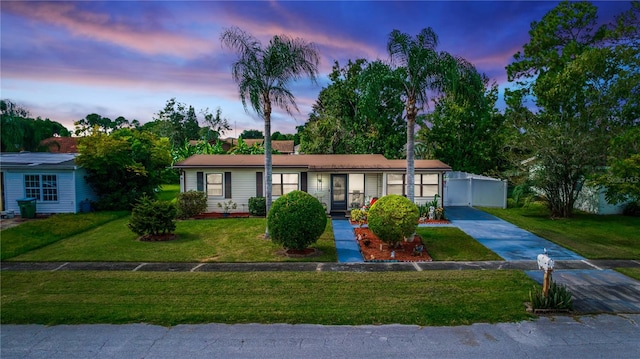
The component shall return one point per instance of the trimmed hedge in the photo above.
(392, 218)
(257, 206)
(296, 220)
(191, 203)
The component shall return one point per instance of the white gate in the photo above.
(467, 189)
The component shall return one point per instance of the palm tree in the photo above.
(263, 75)
(420, 66)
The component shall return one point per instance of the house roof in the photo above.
(61, 144)
(39, 160)
(317, 163)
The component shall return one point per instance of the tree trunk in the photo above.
(411, 122)
(268, 180)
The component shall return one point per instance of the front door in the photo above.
(338, 192)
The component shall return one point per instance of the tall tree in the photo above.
(94, 122)
(264, 74)
(585, 80)
(176, 121)
(124, 165)
(421, 68)
(20, 132)
(467, 131)
(215, 126)
(251, 134)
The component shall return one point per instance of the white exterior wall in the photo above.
(464, 189)
(418, 200)
(592, 200)
(66, 203)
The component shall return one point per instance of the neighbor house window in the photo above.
(42, 187)
(283, 183)
(215, 184)
(426, 184)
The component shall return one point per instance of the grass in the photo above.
(592, 236)
(329, 298)
(215, 240)
(630, 272)
(42, 232)
(168, 192)
(452, 244)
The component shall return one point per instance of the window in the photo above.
(214, 184)
(283, 183)
(42, 187)
(426, 184)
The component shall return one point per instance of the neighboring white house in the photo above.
(340, 182)
(54, 179)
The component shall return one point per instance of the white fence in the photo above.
(467, 189)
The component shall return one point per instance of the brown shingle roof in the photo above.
(311, 162)
(61, 144)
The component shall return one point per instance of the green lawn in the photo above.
(213, 240)
(168, 192)
(590, 235)
(630, 272)
(452, 244)
(331, 298)
(39, 233)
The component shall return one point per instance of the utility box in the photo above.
(27, 207)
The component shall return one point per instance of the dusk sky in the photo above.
(65, 60)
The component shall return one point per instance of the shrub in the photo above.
(559, 297)
(296, 220)
(149, 217)
(359, 215)
(257, 206)
(632, 209)
(392, 218)
(191, 203)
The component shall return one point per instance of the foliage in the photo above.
(214, 127)
(94, 122)
(296, 220)
(151, 218)
(622, 179)
(632, 209)
(20, 132)
(227, 206)
(123, 165)
(359, 215)
(392, 218)
(522, 194)
(252, 134)
(559, 297)
(467, 132)
(186, 150)
(191, 203)
(243, 149)
(257, 206)
(584, 80)
(263, 75)
(360, 111)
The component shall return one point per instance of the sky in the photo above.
(65, 60)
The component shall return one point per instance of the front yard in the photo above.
(590, 235)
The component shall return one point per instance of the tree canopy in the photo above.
(20, 132)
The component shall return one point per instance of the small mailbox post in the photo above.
(545, 263)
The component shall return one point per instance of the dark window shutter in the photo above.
(259, 185)
(200, 180)
(227, 185)
(303, 181)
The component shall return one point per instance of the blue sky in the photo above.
(64, 60)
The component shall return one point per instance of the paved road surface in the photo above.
(602, 336)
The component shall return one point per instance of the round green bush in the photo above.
(296, 220)
(392, 218)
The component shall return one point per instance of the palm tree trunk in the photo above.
(267, 159)
(411, 124)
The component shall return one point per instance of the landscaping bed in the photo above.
(374, 250)
(212, 215)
